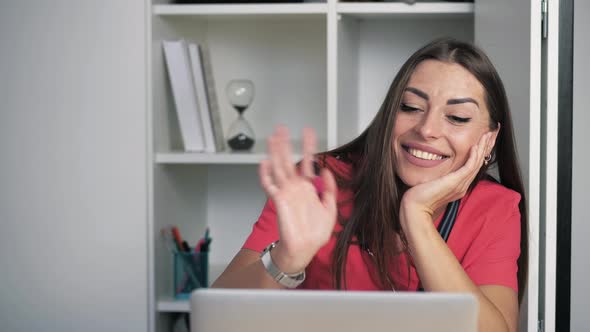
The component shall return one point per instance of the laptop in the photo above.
(262, 310)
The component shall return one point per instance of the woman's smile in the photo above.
(423, 156)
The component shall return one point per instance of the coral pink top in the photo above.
(485, 239)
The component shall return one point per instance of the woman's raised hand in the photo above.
(306, 220)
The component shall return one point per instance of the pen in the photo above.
(199, 247)
(185, 247)
(205, 246)
(177, 238)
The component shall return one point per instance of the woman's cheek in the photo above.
(462, 149)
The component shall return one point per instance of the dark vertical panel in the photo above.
(564, 166)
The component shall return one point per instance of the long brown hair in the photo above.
(378, 190)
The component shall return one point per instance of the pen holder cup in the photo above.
(190, 272)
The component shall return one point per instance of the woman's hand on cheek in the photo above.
(423, 200)
(305, 219)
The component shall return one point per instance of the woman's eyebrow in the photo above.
(461, 101)
(453, 101)
(417, 92)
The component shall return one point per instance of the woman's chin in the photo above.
(412, 181)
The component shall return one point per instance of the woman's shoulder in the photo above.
(336, 162)
(489, 194)
(488, 210)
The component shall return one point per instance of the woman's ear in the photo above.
(492, 142)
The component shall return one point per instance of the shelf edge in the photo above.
(240, 9)
(172, 305)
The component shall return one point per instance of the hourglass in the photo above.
(240, 93)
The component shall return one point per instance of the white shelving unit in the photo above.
(326, 65)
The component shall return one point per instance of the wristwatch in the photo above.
(287, 280)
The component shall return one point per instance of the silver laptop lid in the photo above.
(228, 310)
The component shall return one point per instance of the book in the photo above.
(179, 72)
(212, 99)
(201, 93)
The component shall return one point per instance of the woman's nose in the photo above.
(430, 127)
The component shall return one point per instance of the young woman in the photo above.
(407, 205)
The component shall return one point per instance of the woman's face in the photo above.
(442, 115)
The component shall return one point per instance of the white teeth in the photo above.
(424, 155)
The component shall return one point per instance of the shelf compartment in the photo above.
(289, 75)
(370, 54)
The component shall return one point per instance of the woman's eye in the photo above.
(407, 108)
(458, 119)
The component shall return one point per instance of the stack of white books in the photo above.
(191, 78)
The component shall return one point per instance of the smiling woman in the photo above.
(369, 215)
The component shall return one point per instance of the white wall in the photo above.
(580, 288)
(510, 48)
(73, 240)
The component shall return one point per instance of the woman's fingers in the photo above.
(285, 151)
(330, 191)
(481, 153)
(280, 153)
(276, 161)
(478, 158)
(280, 166)
(309, 148)
(465, 175)
(459, 176)
(475, 160)
(266, 179)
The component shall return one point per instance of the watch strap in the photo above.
(287, 280)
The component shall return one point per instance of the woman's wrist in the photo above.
(286, 262)
(413, 216)
(417, 225)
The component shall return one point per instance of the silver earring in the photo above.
(487, 159)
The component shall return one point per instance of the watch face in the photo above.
(269, 248)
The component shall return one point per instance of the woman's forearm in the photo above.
(246, 271)
(439, 270)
